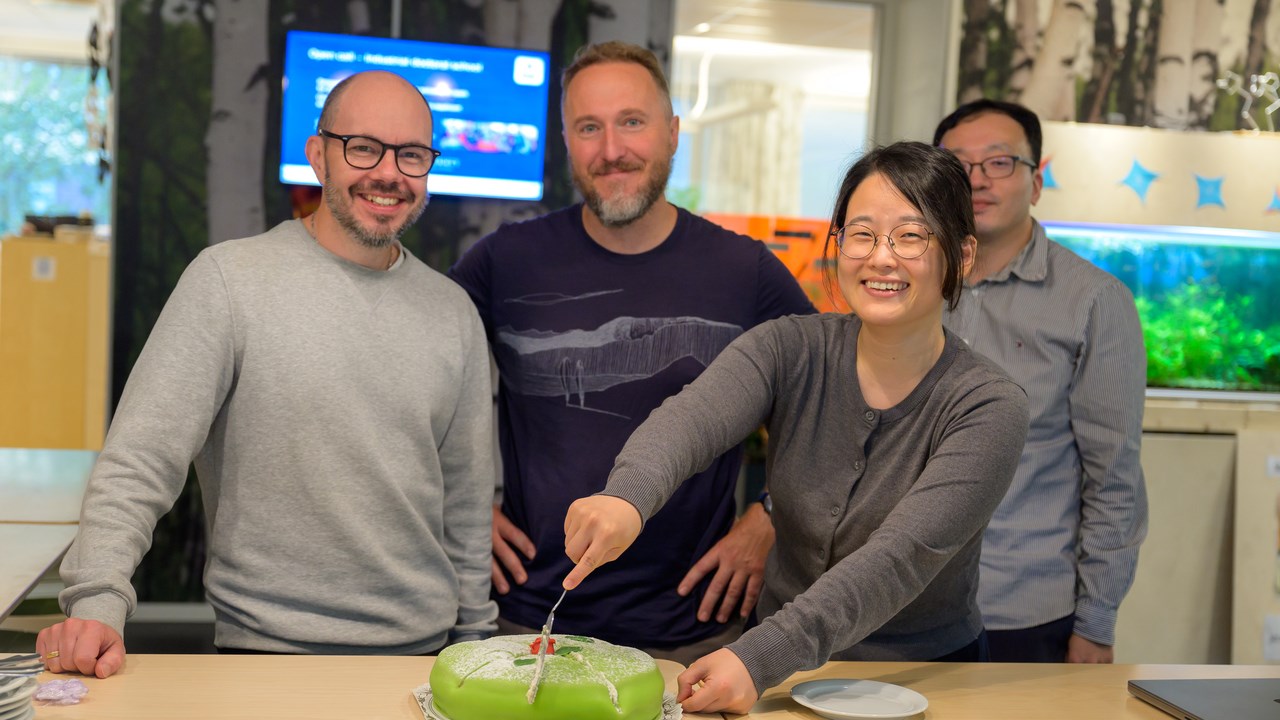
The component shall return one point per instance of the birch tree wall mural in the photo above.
(1176, 64)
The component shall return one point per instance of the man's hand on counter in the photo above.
(738, 561)
(80, 646)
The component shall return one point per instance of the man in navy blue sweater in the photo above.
(596, 314)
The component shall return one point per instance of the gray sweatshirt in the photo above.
(339, 421)
(879, 513)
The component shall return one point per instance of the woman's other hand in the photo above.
(718, 682)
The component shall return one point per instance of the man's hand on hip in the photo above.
(738, 561)
(507, 539)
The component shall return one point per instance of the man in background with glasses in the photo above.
(596, 314)
(334, 394)
(1061, 551)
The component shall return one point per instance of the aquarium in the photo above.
(1208, 298)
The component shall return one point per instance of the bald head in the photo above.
(370, 205)
(376, 85)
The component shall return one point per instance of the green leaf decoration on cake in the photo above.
(566, 649)
(525, 661)
(579, 638)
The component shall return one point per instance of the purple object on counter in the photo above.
(61, 692)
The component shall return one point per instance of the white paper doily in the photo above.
(671, 709)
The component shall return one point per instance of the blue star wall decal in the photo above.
(1139, 179)
(1210, 191)
(1046, 172)
(1275, 201)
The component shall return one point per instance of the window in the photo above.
(774, 102)
(47, 164)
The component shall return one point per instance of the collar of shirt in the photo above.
(1032, 264)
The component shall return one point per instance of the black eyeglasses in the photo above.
(907, 241)
(998, 167)
(364, 153)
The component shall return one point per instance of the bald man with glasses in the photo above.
(333, 393)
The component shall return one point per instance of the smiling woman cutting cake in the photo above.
(890, 446)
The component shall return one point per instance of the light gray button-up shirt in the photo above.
(1065, 539)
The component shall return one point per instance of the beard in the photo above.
(625, 208)
(385, 232)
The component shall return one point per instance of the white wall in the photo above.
(1179, 610)
(46, 30)
(915, 75)
(1207, 574)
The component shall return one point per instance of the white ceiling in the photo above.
(824, 23)
(59, 28)
(46, 29)
(820, 46)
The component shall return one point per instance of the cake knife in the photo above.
(551, 616)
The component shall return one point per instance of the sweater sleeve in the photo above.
(467, 464)
(954, 497)
(174, 391)
(472, 273)
(692, 428)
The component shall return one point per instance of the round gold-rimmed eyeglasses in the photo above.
(908, 240)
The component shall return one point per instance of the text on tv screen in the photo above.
(489, 106)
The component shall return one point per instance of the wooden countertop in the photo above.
(997, 691)
(262, 687)
(269, 687)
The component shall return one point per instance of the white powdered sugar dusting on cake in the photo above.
(613, 691)
(463, 679)
(497, 657)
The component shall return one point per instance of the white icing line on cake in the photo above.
(613, 691)
(473, 672)
(537, 669)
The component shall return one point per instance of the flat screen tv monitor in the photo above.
(489, 104)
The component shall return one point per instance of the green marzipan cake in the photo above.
(584, 679)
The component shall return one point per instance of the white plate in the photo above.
(10, 686)
(9, 703)
(21, 712)
(858, 699)
(19, 689)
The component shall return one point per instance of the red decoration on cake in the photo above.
(537, 643)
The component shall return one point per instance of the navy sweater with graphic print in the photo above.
(588, 342)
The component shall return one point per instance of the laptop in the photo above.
(1212, 698)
